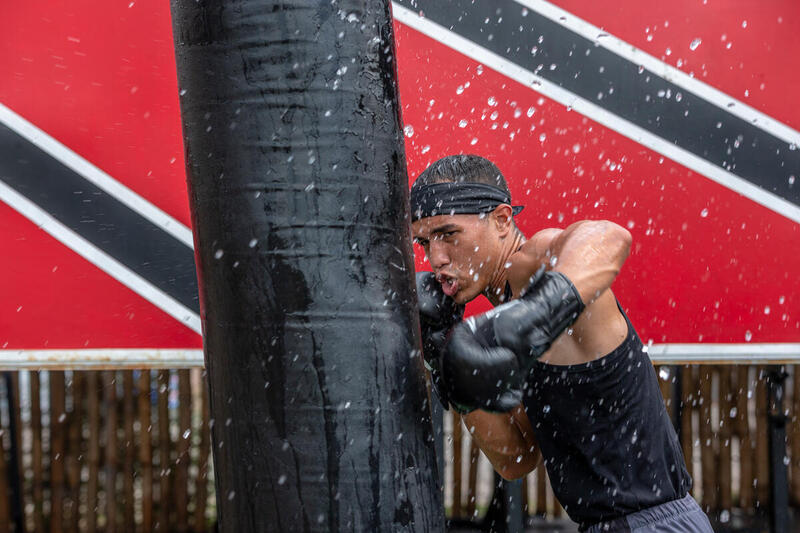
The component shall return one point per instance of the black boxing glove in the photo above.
(490, 355)
(438, 313)
(529, 325)
(479, 374)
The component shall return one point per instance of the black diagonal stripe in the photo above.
(98, 217)
(536, 43)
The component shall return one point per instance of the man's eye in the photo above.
(421, 242)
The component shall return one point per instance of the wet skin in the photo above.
(589, 253)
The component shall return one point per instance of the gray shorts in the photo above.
(677, 516)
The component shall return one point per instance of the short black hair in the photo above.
(463, 168)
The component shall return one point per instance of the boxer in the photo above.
(555, 373)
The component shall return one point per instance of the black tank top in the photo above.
(608, 444)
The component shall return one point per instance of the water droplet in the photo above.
(459, 89)
(252, 243)
(231, 495)
(704, 213)
(546, 409)
(791, 180)
(426, 149)
(218, 254)
(474, 141)
(479, 69)
(530, 111)
(409, 130)
(282, 479)
(766, 310)
(62, 417)
(462, 123)
(695, 43)
(186, 434)
(744, 24)
(748, 335)
(492, 101)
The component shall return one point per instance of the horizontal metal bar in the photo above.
(778, 353)
(109, 359)
(99, 359)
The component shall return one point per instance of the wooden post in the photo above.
(725, 423)
(794, 436)
(93, 412)
(202, 465)
(58, 432)
(146, 450)
(183, 459)
(36, 452)
(458, 506)
(472, 489)
(762, 445)
(688, 399)
(75, 451)
(707, 441)
(164, 446)
(5, 481)
(129, 447)
(110, 388)
(746, 496)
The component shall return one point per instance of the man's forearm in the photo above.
(505, 439)
(590, 254)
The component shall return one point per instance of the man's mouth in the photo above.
(449, 284)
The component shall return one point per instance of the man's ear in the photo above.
(501, 217)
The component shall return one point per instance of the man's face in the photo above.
(462, 250)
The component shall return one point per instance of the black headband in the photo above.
(457, 198)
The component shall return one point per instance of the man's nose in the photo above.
(437, 255)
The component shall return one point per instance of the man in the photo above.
(555, 371)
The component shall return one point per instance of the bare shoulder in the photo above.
(532, 254)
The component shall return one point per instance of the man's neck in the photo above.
(495, 291)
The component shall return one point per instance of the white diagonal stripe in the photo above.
(90, 172)
(673, 75)
(595, 112)
(100, 259)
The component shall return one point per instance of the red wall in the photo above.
(707, 265)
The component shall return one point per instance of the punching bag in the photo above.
(298, 192)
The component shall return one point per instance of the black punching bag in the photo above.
(298, 192)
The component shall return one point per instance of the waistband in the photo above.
(647, 516)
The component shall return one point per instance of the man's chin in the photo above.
(463, 296)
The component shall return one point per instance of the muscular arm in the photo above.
(590, 253)
(506, 439)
